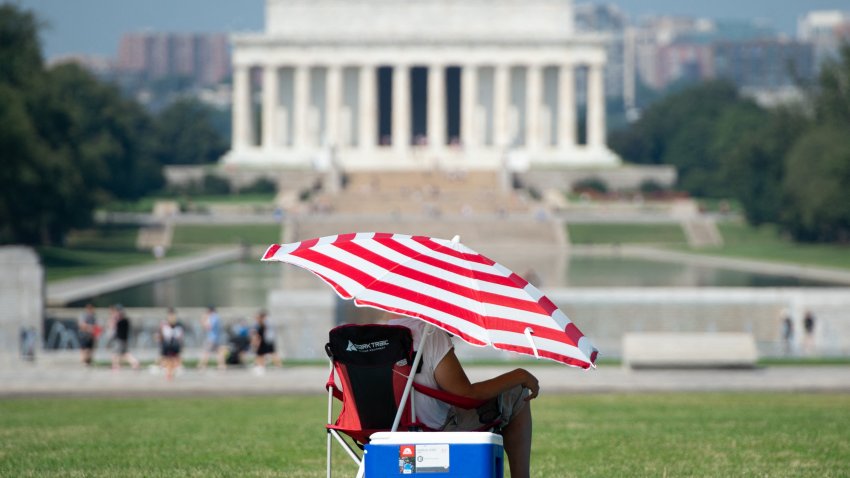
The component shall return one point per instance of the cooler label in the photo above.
(432, 458)
(423, 459)
(407, 459)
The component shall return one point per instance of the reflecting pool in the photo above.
(246, 284)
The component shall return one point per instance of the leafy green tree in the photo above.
(111, 137)
(67, 141)
(678, 130)
(832, 94)
(186, 134)
(816, 186)
(20, 50)
(751, 145)
(817, 179)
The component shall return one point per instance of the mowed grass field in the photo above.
(612, 435)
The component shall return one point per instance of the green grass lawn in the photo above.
(763, 243)
(96, 250)
(104, 248)
(669, 434)
(665, 233)
(767, 244)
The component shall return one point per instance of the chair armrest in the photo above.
(450, 398)
(331, 384)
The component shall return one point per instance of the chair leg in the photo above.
(329, 454)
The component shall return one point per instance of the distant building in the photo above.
(826, 30)
(764, 64)
(612, 22)
(203, 58)
(656, 62)
(663, 51)
(384, 84)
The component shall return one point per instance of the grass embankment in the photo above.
(95, 251)
(105, 248)
(766, 243)
(741, 241)
(674, 434)
(665, 233)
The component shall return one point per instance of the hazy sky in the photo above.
(95, 26)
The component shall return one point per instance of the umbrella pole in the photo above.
(425, 333)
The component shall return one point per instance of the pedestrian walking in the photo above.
(787, 331)
(88, 332)
(809, 333)
(214, 340)
(121, 339)
(171, 334)
(263, 342)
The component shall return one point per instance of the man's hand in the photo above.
(530, 382)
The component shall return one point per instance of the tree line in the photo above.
(70, 142)
(788, 165)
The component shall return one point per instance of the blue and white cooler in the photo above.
(435, 455)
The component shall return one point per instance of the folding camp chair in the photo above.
(374, 365)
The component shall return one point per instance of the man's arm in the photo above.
(451, 377)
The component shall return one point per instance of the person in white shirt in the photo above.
(512, 391)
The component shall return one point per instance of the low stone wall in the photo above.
(643, 350)
(21, 302)
(605, 315)
(621, 178)
(287, 179)
(302, 318)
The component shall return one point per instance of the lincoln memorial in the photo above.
(410, 84)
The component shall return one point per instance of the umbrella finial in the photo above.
(456, 239)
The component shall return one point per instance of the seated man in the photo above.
(442, 370)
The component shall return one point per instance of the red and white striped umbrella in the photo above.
(445, 284)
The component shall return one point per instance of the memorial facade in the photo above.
(410, 84)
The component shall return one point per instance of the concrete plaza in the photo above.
(68, 380)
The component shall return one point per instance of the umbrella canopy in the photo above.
(445, 284)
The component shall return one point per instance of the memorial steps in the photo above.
(474, 205)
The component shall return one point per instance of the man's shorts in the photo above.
(119, 347)
(504, 407)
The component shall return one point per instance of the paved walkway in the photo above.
(66, 380)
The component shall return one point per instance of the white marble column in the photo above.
(368, 107)
(333, 104)
(436, 106)
(533, 101)
(468, 103)
(271, 105)
(501, 103)
(401, 108)
(566, 107)
(301, 98)
(595, 107)
(241, 136)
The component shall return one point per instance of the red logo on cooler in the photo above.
(406, 451)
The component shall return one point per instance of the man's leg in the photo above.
(205, 357)
(517, 440)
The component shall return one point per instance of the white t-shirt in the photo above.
(430, 411)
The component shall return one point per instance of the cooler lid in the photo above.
(413, 438)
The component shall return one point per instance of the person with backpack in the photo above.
(121, 339)
(263, 341)
(171, 334)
